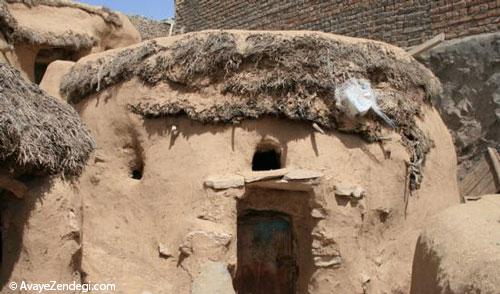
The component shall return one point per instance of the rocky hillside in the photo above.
(469, 69)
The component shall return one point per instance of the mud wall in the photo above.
(403, 23)
(41, 234)
(141, 217)
(166, 225)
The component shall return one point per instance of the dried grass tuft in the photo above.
(94, 76)
(7, 22)
(38, 134)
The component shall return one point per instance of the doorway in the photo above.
(47, 55)
(266, 261)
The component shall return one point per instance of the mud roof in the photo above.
(38, 134)
(20, 23)
(293, 74)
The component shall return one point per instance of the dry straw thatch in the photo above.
(7, 21)
(15, 33)
(267, 73)
(38, 134)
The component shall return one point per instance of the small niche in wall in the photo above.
(137, 173)
(137, 166)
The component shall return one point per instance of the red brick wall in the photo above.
(401, 22)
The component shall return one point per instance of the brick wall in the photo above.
(149, 28)
(401, 22)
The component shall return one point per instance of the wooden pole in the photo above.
(495, 162)
(417, 50)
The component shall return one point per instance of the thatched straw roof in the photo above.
(252, 74)
(21, 26)
(38, 134)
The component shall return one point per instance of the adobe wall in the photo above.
(458, 250)
(162, 232)
(35, 20)
(41, 234)
(167, 224)
(403, 23)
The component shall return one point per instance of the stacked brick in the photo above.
(401, 22)
(465, 17)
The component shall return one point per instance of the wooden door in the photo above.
(265, 254)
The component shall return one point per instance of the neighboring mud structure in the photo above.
(35, 33)
(40, 137)
(233, 161)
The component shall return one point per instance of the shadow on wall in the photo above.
(45, 56)
(14, 218)
(179, 125)
(425, 271)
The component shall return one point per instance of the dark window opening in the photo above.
(1, 248)
(1, 235)
(266, 160)
(266, 262)
(48, 55)
(40, 69)
(137, 173)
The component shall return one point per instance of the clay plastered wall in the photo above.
(125, 220)
(404, 23)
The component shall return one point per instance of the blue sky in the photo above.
(156, 9)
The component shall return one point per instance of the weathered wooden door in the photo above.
(266, 264)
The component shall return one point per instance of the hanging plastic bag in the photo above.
(356, 98)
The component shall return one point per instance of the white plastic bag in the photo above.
(356, 98)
